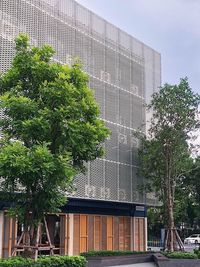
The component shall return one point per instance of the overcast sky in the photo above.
(171, 27)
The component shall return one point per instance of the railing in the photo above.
(155, 243)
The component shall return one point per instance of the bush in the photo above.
(61, 261)
(53, 261)
(111, 253)
(16, 262)
(180, 255)
(197, 252)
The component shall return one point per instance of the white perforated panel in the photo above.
(122, 70)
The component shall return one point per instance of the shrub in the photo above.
(16, 262)
(61, 261)
(197, 252)
(111, 253)
(53, 261)
(180, 255)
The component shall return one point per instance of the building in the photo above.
(107, 211)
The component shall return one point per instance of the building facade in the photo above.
(107, 211)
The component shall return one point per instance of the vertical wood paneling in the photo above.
(127, 232)
(132, 234)
(9, 236)
(109, 233)
(97, 233)
(121, 233)
(124, 233)
(136, 232)
(83, 233)
(116, 232)
(104, 232)
(64, 229)
(141, 234)
(90, 232)
(76, 246)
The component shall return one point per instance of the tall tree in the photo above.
(50, 128)
(192, 183)
(165, 154)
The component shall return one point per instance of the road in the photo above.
(190, 248)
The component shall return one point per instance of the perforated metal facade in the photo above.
(123, 73)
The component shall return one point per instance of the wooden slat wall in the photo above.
(139, 234)
(9, 236)
(104, 232)
(101, 232)
(116, 233)
(64, 234)
(83, 233)
(124, 233)
(97, 233)
(91, 235)
(109, 233)
(76, 247)
(121, 233)
(90, 232)
(136, 234)
(127, 232)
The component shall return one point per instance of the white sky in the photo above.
(171, 27)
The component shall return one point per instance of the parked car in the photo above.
(193, 239)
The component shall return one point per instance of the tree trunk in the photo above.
(173, 241)
(171, 221)
(170, 204)
(30, 235)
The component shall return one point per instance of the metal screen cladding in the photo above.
(123, 73)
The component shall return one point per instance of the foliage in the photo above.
(192, 185)
(111, 253)
(165, 156)
(197, 252)
(54, 261)
(51, 127)
(155, 222)
(185, 208)
(16, 262)
(180, 255)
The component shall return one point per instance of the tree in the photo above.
(192, 185)
(50, 128)
(165, 154)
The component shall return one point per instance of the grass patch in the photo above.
(112, 253)
(180, 255)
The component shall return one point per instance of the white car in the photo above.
(193, 239)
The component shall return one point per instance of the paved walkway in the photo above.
(145, 264)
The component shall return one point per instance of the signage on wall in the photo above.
(140, 208)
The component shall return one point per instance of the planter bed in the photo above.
(163, 261)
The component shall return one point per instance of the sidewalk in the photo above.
(145, 264)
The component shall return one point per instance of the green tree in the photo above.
(50, 128)
(165, 154)
(191, 183)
